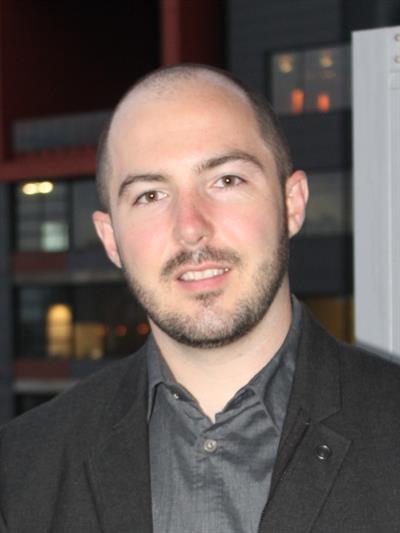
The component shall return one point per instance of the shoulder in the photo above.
(80, 412)
(368, 382)
(369, 379)
(359, 365)
(359, 377)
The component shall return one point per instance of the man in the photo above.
(240, 414)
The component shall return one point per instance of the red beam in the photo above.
(41, 369)
(170, 32)
(50, 164)
(192, 31)
(38, 262)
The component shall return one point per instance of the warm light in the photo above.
(39, 187)
(121, 330)
(143, 328)
(29, 188)
(89, 340)
(297, 100)
(285, 63)
(325, 59)
(101, 330)
(45, 187)
(323, 102)
(59, 330)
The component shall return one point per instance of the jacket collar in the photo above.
(118, 467)
(301, 481)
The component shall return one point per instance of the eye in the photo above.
(149, 197)
(228, 181)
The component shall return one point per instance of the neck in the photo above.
(213, 376)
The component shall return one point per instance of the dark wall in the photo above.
(68, 56)
(260, 26)
(6, 312)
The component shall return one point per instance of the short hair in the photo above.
(270, 128)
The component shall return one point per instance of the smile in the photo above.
(195, 275)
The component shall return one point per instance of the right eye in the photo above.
(149, 197)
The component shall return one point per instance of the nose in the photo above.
(192, 224)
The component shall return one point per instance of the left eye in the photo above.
(228, 181)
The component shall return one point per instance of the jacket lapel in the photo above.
(310, 453)
(118, 468)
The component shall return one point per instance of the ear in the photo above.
(102, 223)
(296, 201)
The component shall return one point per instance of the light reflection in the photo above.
(143, 328)
(121, 330)
(297, 100)
(285, 63)
(59, 328)
(323, 102)
(325, 59)
(38, 187)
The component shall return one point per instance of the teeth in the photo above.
(203, 274)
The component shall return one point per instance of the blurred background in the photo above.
(64, 309)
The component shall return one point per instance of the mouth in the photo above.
(199, 275)
(208, 278)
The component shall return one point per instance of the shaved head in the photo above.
(172, 79)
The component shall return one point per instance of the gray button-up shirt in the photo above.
(215, 477)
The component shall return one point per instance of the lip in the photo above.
(200, 268)
(207, 284)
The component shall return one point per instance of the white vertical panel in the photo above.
(376, 133)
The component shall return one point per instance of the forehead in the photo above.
(191, 117)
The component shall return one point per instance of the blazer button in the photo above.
(323, 452)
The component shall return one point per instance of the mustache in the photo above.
(207, 253)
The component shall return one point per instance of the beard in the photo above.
(211, 326)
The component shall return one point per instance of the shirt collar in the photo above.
(270, 384)
(273, 383)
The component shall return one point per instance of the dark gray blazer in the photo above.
(80, 463)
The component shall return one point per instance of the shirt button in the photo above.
(210, 445)
(176, 396)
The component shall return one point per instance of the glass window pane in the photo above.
(84, 202)
(329, 206)
(33, 305)
(53, 236)
(287, 83)
(78, 322)
(314, 80)
(41, 210)
(113, 320)
(327, 81)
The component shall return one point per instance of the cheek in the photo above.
(248, 227)
(143, 248)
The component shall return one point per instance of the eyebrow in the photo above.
(236, 155)
(139, 178)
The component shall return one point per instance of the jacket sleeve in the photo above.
(3, 528)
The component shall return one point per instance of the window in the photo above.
(55, 216)
(329, 207)
(78, 322)
(313, 80)
(84, 203)
(41, 216)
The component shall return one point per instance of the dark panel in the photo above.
(321, 265)
(259, 26)
(319, 140)
(6, 394)
(69, 55)
(366, 14)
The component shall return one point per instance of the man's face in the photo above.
(198, 218)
